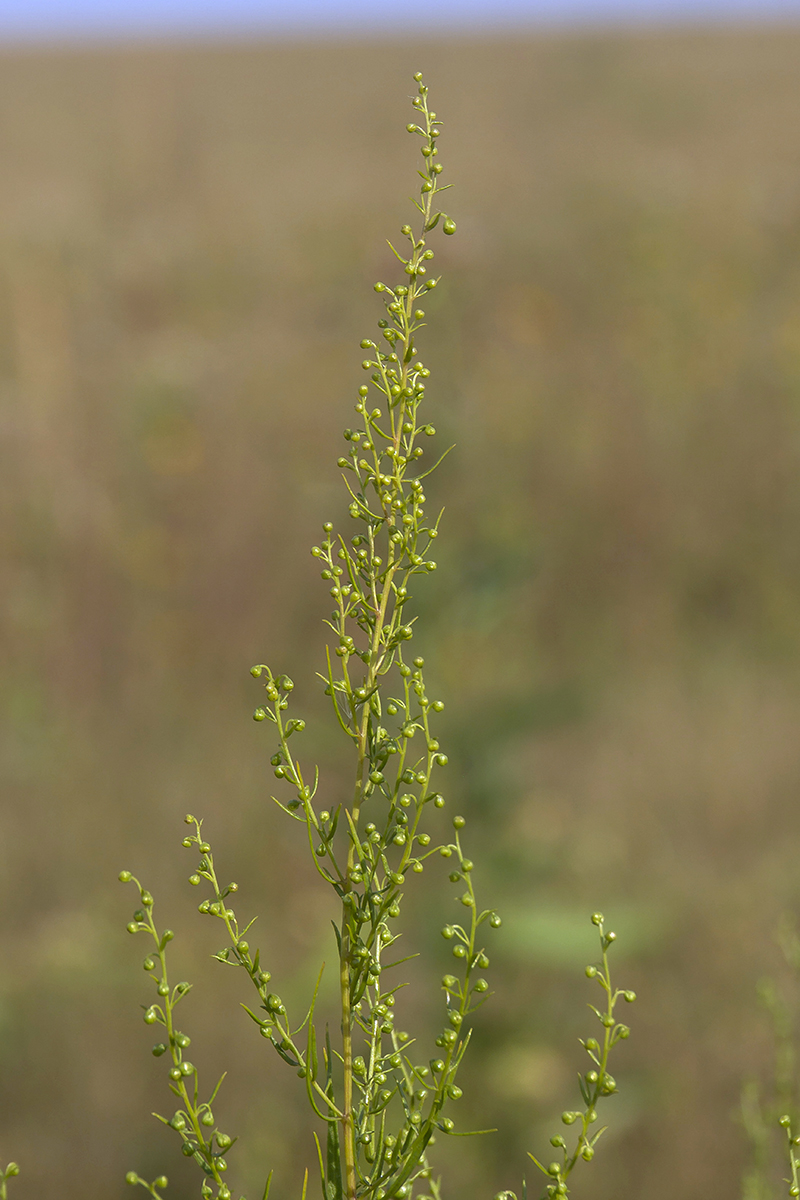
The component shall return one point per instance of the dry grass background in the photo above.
(187, 242)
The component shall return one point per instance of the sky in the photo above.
(50, 20)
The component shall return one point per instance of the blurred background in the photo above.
(189, 234)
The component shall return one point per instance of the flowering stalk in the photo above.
(380, 1101)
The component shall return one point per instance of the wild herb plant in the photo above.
(10, 1171)
(763, 1111)
(381, 1099)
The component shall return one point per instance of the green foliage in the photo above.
(382, 1100)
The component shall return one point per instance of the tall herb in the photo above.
(381, 1100)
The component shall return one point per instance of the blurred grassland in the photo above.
(188, 239)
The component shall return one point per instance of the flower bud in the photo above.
(449, 225)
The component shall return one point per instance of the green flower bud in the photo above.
(187, 1149)
(587, 1153)
(223, 1141)
(597, 918)
(158, 1050)
(569, 1118)
(132, 1178)
(132, 927)
(161, 1182)
(554, 1169)
(629, 996)
(591, 972)
(448, 932)
(124, 876)
(458, 822)
(207, 1118)
(449, 226)
(495, 921)
(481, 985)
(260, 714)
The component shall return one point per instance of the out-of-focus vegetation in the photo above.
(187, 244)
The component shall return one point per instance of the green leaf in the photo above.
(333, 1182)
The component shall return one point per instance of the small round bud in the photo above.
(132, 1178)
(449, 226)
(554, 1169)
(132, 927)
(458, 822)
(161, 1182)
(629, 996)
(597, 918)
(481, 985)
(785, 1121)
(591, 972)
(587, 1153)
(124, 876)
(448, 932)
(569, 1118)
(255, 672)
(158, 1050)
(495, 921)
